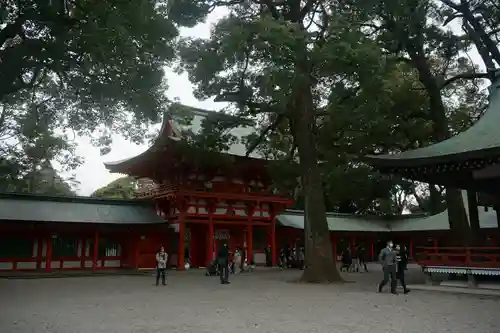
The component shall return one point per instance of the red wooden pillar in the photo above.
(182, 245)
(212, 205)
(48, 254)
(95, 253)
(210, 241)
(411, 248)
(372, 249)
(273, 241)
(334, 246)
(137, 252)
(250, 210)
(249, 243)
(181, 251)
(39, 256)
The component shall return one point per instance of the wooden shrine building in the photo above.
(40, 233)
(192, 201)
(73, 233)
(469, 160)
(203, 193)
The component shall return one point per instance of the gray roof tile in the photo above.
(76, 210)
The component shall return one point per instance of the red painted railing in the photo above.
(170, 191)
(480, 257)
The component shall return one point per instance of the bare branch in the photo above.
(264, 133)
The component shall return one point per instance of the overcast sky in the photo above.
(93, 175)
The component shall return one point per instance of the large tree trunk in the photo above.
(459, 223)
(320, 264)
(457, 217)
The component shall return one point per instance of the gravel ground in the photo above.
(263, 301)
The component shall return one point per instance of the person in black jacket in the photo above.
(402, 262)
(223, 261)
(362, 258)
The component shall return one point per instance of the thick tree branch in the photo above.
(291, 153)
(264, 133)
(272, 8)
(12, 30)
(306, 9)
(465, 76)
(419, 200)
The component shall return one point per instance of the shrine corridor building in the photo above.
(191, 201)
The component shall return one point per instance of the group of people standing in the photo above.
(353, 261)
(394, 261)
(292, 258)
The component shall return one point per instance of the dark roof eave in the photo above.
(400, 160)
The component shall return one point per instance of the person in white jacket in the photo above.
(161, 266)
(237, 261)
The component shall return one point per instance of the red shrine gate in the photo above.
(204, 193)
(207, 214)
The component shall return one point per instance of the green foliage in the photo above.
(43, 180)
(369, 87)
(78, 68)
(121, 188)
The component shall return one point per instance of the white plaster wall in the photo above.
(112, 263)
(6, 266)
(71, 264)
(26, 265)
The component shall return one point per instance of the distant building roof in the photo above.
(404, 223)
(336, 222)
(38, 208)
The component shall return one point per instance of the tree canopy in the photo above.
(81, 67)
(121, 188)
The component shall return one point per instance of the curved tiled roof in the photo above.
(479, 141)
(238, 148)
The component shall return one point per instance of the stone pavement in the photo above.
(264, 301)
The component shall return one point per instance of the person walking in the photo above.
(402, 262)
(302, 258)
(282, 257)
(387, 259)
(223, 261)
(161, 266)
(237, 262)
(346, 260)
(362, 258)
